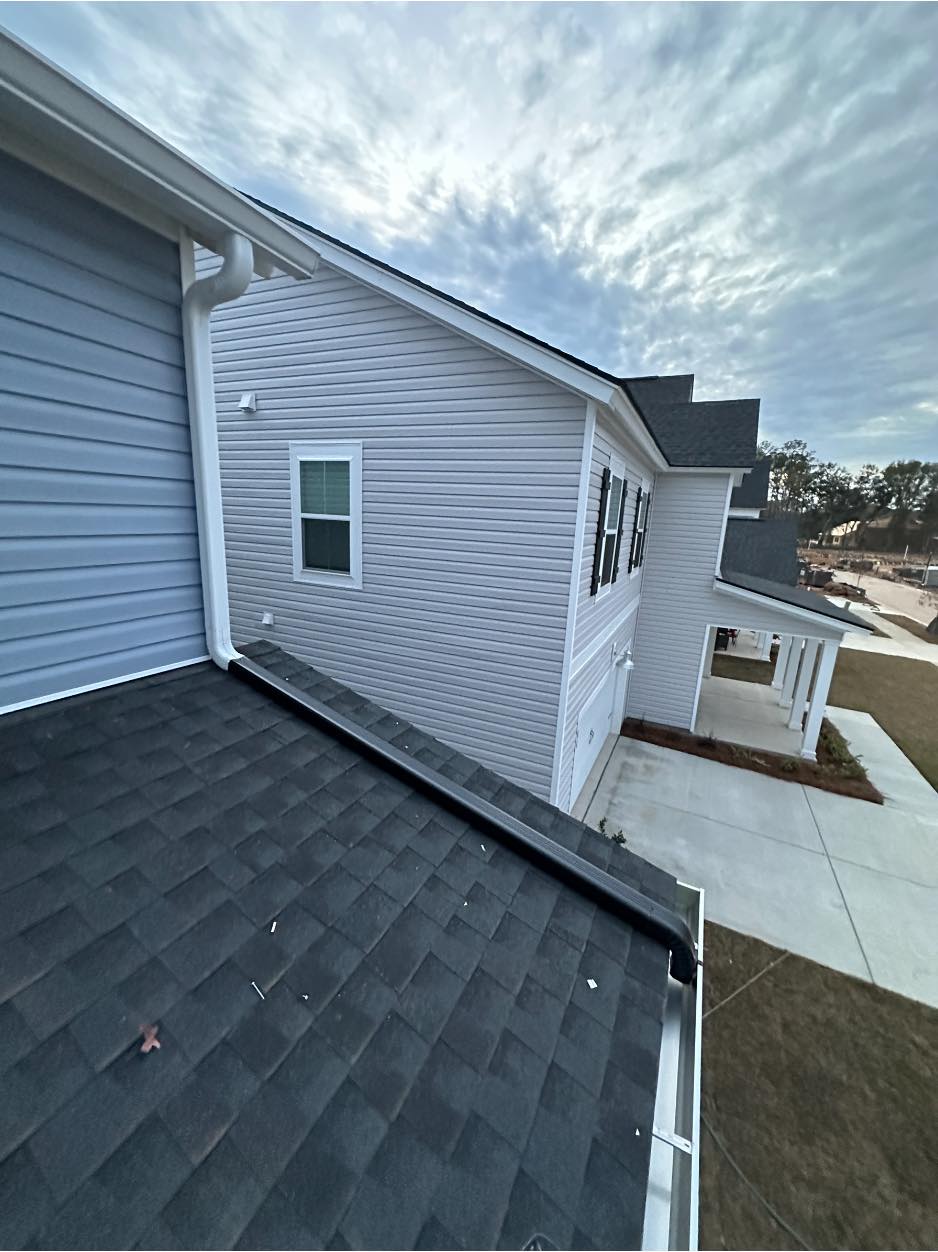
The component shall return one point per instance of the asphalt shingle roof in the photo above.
(428, 1066)
(753, 491)
(697, 433)
(800, 597)
(765, 547)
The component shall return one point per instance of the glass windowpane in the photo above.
(609, 552)
(615, 497)
(326, 545)
(324, 487)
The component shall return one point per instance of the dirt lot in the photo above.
(821, 1089)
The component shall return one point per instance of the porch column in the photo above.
(822, 686)
(784, 647)
(791, 672)
(766, 651)
(802, 686)
(711, 647)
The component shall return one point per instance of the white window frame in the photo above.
(347, 450)
(616, 470)
(646, 504)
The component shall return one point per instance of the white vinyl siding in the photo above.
(470, 471)
(604, 622)
(679, 601)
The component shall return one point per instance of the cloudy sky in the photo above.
(749, 192)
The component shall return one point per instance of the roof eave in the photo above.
(720, 584)
(555, 366)
(56, 116)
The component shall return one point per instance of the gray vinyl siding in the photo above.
(584, 681)
(679, 601)
(596, 615)
(99, 561)
(470, 471)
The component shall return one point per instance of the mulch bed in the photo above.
(836, 769)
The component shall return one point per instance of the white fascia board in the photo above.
(46, 112)
(735, 473)
(790, 610)
(628, 415)
(747, 513)
(500, 339)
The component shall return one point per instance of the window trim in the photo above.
(604, 535)
(349, 450)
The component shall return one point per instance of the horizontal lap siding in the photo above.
(679, 601)
(597, 615)
(680, 562)
(99, 563)
(470, 474)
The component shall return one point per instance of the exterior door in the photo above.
(593, 725)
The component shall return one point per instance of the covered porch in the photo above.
(784, 713)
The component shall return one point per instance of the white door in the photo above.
(593, 725)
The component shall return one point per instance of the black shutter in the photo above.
(633, 551)
(600, 531)
(615, 563)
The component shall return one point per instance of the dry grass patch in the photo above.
(821, 1088)
(902, 695)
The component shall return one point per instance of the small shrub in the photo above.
(788, 766)
(603, 822)
(619, 838)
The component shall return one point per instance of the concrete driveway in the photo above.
(850, 884)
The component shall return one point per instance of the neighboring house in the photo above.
(507, 545)
(387, 997)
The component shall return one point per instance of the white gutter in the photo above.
(48, 117)
(672, 1196)
(201, 296)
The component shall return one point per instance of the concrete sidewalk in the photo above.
(850, 884)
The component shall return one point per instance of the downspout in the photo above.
(201, 296)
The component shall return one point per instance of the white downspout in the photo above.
(201, 296)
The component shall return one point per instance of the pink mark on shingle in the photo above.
(150, 1040)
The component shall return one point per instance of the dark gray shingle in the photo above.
(753, 491)
(764, 547)
(696, 433)
(800, 597)
(426, 1037)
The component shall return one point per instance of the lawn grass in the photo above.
(911, 625)
(821, 1088)
(902, 694)
(744, 669)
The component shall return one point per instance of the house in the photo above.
(506, 545)
(277, 967)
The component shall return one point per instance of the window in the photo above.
(609, 532)
(639, 529)
(326, 492)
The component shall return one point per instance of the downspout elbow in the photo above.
(201, 296)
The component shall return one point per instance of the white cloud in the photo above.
(746, 191)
